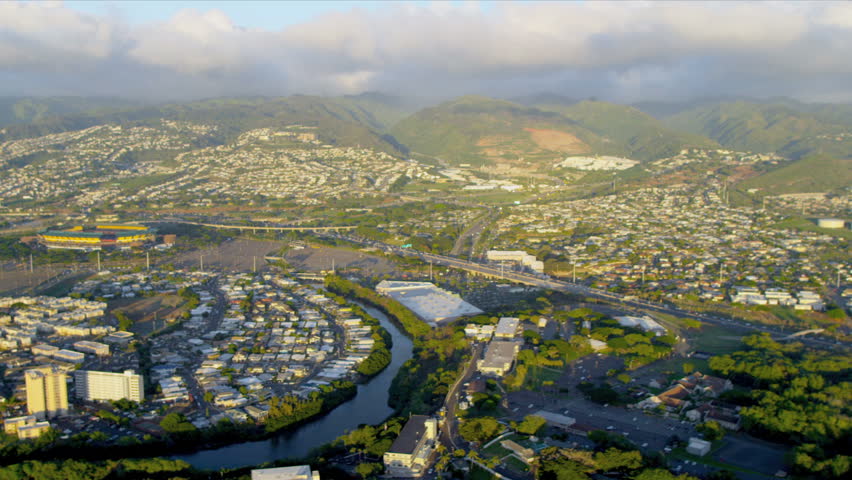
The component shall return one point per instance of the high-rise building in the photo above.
(47, 392)
(96, 386)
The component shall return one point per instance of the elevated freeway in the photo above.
(256, 228)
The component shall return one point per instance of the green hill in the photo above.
(481, 130)
(23, 110)
(814, 173)
(343, 121)
(751, 126)
(642, 136)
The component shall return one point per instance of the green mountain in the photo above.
(341, 121)
(481, 130)
(813, 173)
(756, 127)
(642, 136)
(23, 110)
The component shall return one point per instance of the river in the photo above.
(369, 406)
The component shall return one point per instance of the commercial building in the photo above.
(297, 472)
(96, 386)
(96, 348)
(499, 357)
(516, 256)
(97, 238)
(507, 328)
(411, 453)
(430, 303)
(47, 392)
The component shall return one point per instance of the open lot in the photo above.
(323, 258)
(238, 255)
(148, 314)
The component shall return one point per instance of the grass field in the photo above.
(536, 376)
(716, 339)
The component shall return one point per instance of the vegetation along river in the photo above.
(370, 406)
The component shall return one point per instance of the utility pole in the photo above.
(254, 264)
(148, 261)
(201, 263)
(574, 271)
(99, 260)
(430, 270)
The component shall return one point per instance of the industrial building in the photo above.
(516, 256)
(99, 237)
(411, 453)
(97, 386)
(430, 303)
(47, 392)
(297, 472)
(499, 357)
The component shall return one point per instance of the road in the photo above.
(543, 281)
(473, 233)
(449, 435)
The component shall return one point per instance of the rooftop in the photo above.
(410, 435)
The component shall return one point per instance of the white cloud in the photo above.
(625, 49)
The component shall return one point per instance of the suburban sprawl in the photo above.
(292, 289)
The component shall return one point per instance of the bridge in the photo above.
(802, 333)
(262, 228)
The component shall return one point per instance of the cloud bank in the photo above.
(621, 50)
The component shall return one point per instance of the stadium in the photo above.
(101, 237)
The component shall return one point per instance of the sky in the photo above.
(619, 51)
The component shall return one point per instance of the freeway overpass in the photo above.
(256, 228)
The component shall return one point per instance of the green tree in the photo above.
(368, 470)
(480, 429)
(531, 425)
(712, 430)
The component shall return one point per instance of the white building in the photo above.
(517, 256)
(432, 304)
(698, 446)
(96, 386)
(645, 323)
(298, 472)
(507, 328)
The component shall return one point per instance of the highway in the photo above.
(567, 287)
(546, 282)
